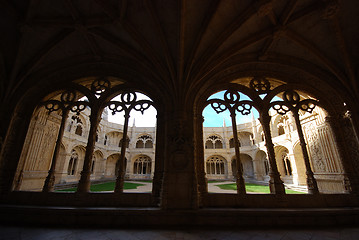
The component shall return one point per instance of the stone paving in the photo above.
(147, 187)
(211, 187)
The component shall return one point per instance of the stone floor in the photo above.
(38, 233)
(26, 233)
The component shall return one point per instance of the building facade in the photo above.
(219, 151)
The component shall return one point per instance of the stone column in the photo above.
(11, 150)
(311, 182)
(180, 182)
(294, 168)
(50, 179)
(275, 183)
(199, 156)
(159, 158)
(84, 183)
(348, 149)
(241, 187)
(122, 168)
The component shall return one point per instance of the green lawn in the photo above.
(109, 186)
(255, 188)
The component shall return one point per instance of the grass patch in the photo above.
(255, 188)
(109, 186)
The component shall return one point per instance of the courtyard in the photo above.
(143, 186)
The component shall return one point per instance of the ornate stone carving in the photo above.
(48, 142)
(315, 148)
(181, 146)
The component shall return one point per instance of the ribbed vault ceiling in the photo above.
(178, 44)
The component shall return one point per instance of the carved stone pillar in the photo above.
(311, 182)
(180, 183)
(348, 149)
(50, 179)
(241, 187)
(84, 183)
(122, 168)
(159, 164)
(275, 183)
(11, 151)
(199, 156)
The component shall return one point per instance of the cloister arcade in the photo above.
(282, 160)
(284, 73)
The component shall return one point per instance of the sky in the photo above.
(148, 119)
(212, 119)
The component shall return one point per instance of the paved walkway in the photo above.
(212, 187)
(147, 187)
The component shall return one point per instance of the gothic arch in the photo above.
(75, 160)
(112, 164)
(246, 164)
(262, 163)
(142, 165)
(214, 141)
(216, 165)
(285, 165)
(144, 141)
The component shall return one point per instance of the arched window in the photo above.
(144, 141)
(214, 142)
(78, 130)
(139, 144)
(218, 144)
(209, 144)
(149, 144)
(71, 169)
(142, 165)
(280, 130)
(105, 141)
(215, 165)
(78, 123)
